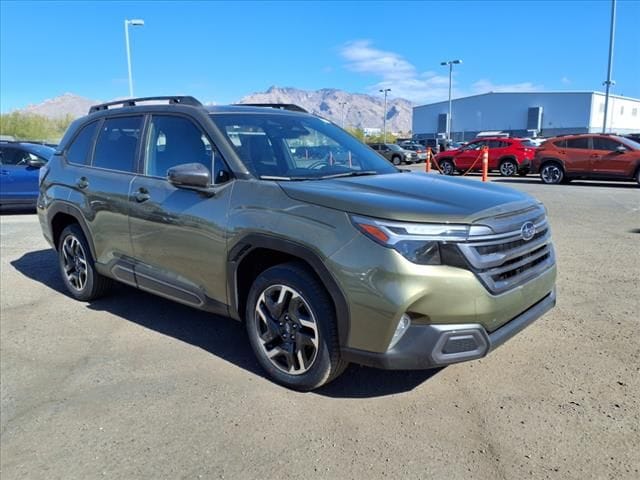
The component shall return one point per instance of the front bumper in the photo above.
(437, 345)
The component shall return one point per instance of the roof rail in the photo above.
(280, 106)
(132, 102)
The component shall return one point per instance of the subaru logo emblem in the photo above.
(528, 230)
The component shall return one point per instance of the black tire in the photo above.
(508, 168)
(267, 334)
(638, 176)
(447, 167)
(396, 160)
(77, 267)
(552, 173)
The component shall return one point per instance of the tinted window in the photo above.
(12, 156)
(601, 143)
(582, 142)
(116, 144)
(496, 144)
(80, 148)
(173, 141)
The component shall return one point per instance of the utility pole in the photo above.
(384, 118)
(609, 82)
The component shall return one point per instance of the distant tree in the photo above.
(356, 132)
(24, 126)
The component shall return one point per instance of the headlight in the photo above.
(421, 243)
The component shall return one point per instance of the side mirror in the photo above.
(621, 149)
(36, 162)
(189, 175)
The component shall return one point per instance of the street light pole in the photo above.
(450, 63)
(609, 82)
(136, 23)
(384, 119)
(342, 104)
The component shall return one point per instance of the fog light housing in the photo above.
(401, 329)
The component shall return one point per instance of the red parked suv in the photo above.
(590, 156)
(507, 155)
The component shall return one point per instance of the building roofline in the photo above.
(554, 92)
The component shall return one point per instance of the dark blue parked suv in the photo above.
(20, 163)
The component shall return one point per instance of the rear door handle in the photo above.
(142, 195)
(82, 182)
(595, 155)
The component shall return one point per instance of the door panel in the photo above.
(179, 240)
(578, 155)
(466, 157)
(18, 181)
(607, 161)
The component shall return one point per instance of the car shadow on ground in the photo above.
(218, 335)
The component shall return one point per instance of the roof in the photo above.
(249, 109)
(566, 92)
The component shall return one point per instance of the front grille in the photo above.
(504, 261)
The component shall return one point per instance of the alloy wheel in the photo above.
(551, 173)
(75, 262)
(286, 329)
(508, 168)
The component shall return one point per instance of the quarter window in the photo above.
(173, 141)
(80, 148)
(117, 143)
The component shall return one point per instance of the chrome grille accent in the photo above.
(505, 261)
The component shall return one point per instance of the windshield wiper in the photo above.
(283, 178)
(354, 173)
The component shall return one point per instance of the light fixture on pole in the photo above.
(384, 123)
(609, 82)
(136, 22)
(451, 63)
(342, 104)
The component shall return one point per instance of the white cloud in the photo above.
(407, 82)
(484, 86)
(565, 81)
(395, 72)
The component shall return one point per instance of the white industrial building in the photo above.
(527, 114)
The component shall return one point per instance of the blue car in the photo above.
(20, 164)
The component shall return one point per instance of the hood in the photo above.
(411, 197)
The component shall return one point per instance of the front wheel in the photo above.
(292, 328)
(508, 168)
(396, 160)
(551, 173)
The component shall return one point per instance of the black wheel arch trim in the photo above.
(254, 241)
(551, 160)
(60, 206)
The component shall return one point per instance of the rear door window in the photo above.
(581, 143)
(117, 144)
(79, 152)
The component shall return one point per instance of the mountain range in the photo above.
(360, 110)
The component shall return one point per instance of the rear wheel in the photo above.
(552, 173)
(77, 267)
(638, 176)
(447, 167)
(292, 328)
(508, 168)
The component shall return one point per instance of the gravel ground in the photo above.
(134, 386)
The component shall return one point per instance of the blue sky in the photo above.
(221, 51)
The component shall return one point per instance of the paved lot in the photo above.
(134, 386)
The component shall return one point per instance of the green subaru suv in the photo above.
(282, 220)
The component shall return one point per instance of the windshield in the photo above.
(394, 147)
(630, 143)
(291, 147)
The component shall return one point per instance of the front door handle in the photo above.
(142, 195)
(82, 182)
(595, 155)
